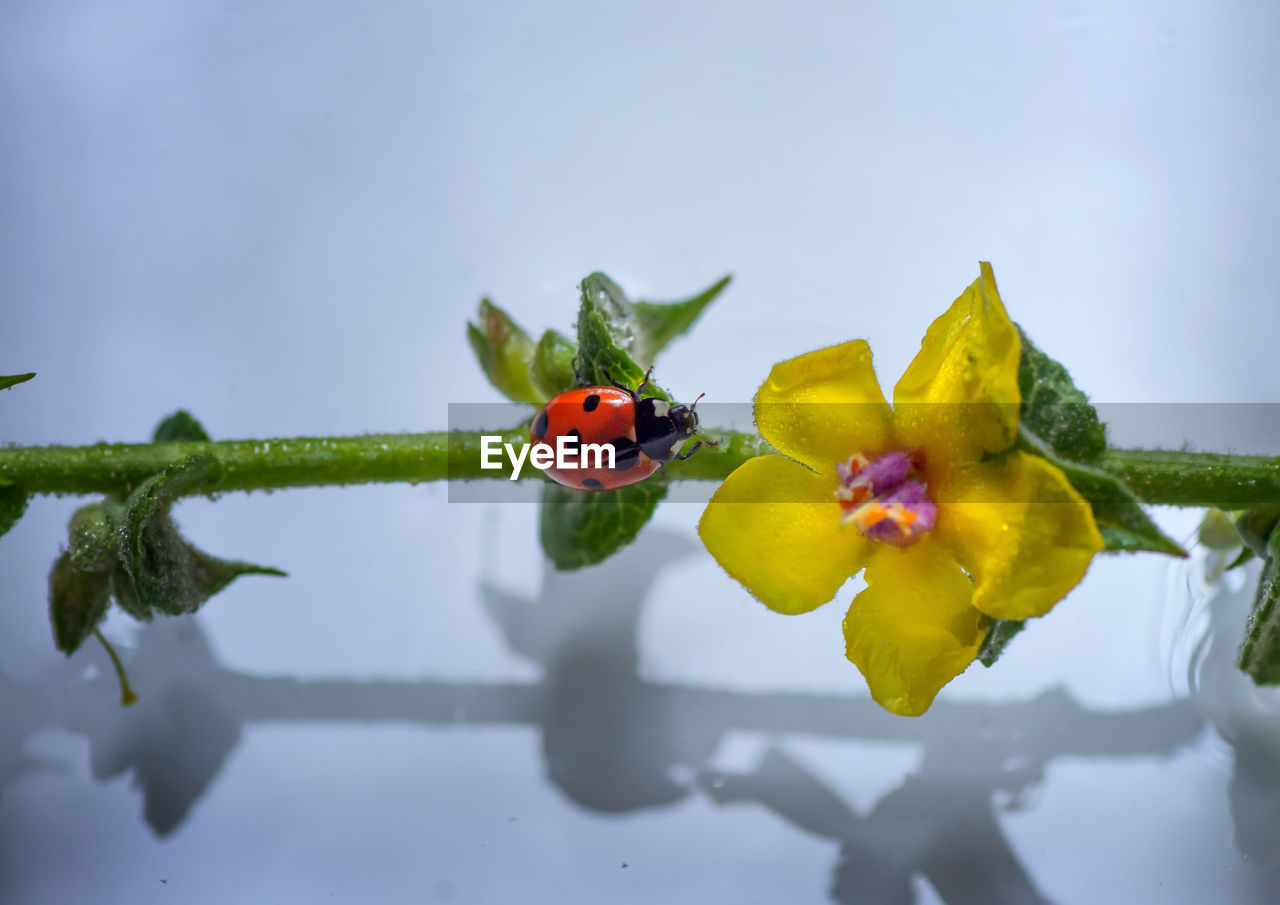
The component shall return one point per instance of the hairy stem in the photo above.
(1158, 476)
(312, 461)
(1197, 479)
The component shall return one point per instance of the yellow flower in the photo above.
(952, 524)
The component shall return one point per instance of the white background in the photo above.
(279, 216)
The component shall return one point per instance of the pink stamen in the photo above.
(884, 498)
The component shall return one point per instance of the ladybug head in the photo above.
(685, 418)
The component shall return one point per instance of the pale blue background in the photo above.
(280, 215)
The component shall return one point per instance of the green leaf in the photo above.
(603, 355)
(1122, 522)
(657, 323)
(552, 368)
(579, 528)
(1058, 415)
(1054, 410)
(1256, 526)
(615, 335)
(92, 535)
(180, 427)
(605, 335)
(14, 379)
(1260, 652)
(1120, 538)
(160, 571)
(13, 502)
(642, 329)
(134, 552)
(998, 637)
(1245, 556)
(619, 314)
(1057, 422)
(80, 582)
(505, 352)
(78, 600)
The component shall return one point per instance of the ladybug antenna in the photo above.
(706, 440)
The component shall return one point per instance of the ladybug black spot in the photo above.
(589, 404)
(592, 484)
(540, 425)
(573, 450)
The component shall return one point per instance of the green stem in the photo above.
(246, 464)
(1157, 476)
(310, 462)
(1197, 479)
(127, 695)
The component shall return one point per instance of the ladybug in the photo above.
(645, 433)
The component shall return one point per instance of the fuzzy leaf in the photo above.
(160, 571)
(92, 536)
(78, 600)
(603, 355)
(552, 368)
(1057, 422)
(998, 637)
(505, 352)
(615, 308)
(80, 582)
(180, 427)
(13, 502)
(1119, 538)
(14, 379)
(1122, 522)
(579, 528)
(1054, 410)
(642, 329)
(657, 323)
(615, 335)
(1260, 652)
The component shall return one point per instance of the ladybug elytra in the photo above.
(645, 434)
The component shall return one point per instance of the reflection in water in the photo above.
(614, 742)
(943, 828)
(1245, 717)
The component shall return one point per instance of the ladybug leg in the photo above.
(635, 394)
(684, 456)
(644, 384)
(609, 377)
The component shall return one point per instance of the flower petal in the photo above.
(1020, 529)
(959, 397)
(913, 630)
(824, 406)
(775, 527)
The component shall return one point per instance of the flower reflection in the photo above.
(615, 742)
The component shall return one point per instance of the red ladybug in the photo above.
(644, 433)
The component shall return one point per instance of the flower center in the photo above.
(884, 498)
